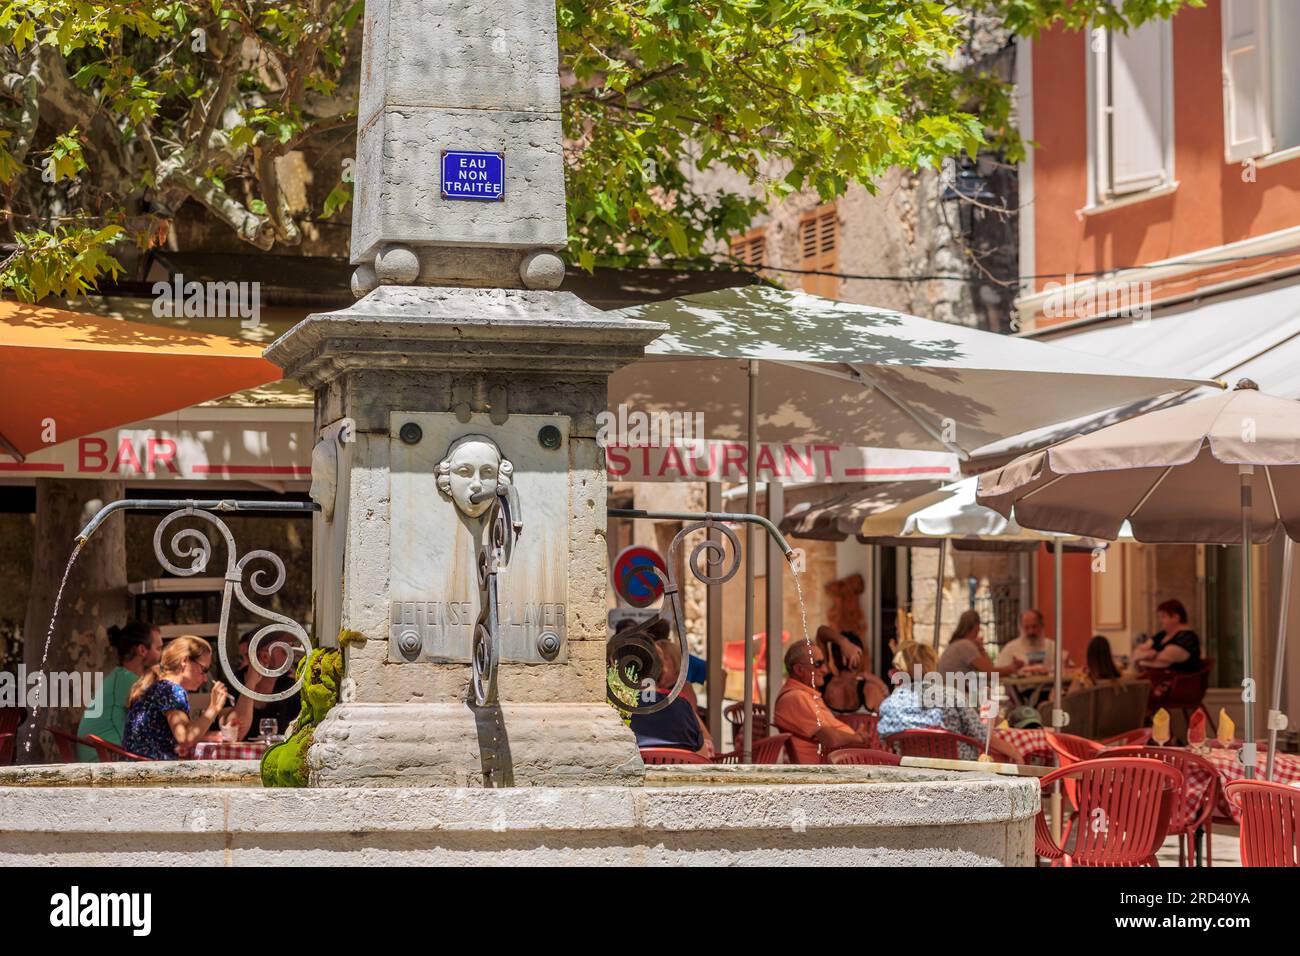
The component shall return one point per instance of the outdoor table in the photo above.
(221, 750)
(1024, 741)
(1286, 769)
(1032, 689)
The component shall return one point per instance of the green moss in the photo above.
(285, 765)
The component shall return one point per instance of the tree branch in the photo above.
(29, 87)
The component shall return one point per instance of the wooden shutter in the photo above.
(1246, 132)
(750, 249)
(1139, 121)
(819, 250)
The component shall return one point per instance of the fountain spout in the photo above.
(176, 504)
(712, 517)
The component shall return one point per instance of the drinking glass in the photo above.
(267, 727)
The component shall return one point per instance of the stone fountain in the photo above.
(460, 533)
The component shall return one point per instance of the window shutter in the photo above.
(1245, 80)
(819, 251)
(748, 250)
(1139, 124)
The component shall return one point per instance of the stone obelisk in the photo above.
(461, 369)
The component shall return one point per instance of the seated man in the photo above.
(1033, 646)
(678, 725)
(801, 712)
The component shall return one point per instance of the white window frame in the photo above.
(1097, 43)
(1266, 154)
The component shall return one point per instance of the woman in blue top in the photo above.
(139, 647)
(922, 701)
(158, 718)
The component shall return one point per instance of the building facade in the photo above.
(1161, 226)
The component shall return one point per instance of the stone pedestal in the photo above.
(393, 557)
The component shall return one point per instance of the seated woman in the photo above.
(965, 651)
(158, 717)
(677, 725)
(930, 704)
(851, 686)
(247, 714)
(1101, 669)
(1175, 646)
(138, 646)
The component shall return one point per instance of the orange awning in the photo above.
(85, 373)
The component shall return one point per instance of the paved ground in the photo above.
(1226, 849)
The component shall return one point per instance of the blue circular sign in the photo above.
(634, 575)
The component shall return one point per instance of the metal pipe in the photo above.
(1247, 677)
(11, 450)
(713, 631)
(774, 616)
(1058, 712)
(219, 504)
(751, 505)
(938, 590)
(1276, 719)
(1059, 626)
(722, 517)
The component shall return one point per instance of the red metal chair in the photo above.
(1124, 806)
(930, 743)
(1071, 749)
(11, 718)
(1175, 690)
(1270, 822)
(735, 715)
(67, 744)
(663, 755)
(864, 724)
(109, 752)
(766, 751)
(1189, 814)
(1130, 738)
(733, 657)
(864, 756)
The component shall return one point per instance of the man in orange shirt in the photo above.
(801, 712)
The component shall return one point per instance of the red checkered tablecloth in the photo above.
(219, 750)
(1032, 740)
(1286, 769)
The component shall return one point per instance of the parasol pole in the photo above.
(1276, 719)
(1058, 712)
(938, 590)
(1058, 715)
(751, 501)
(1247, 756)
(11, 450)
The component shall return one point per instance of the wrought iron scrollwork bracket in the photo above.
(635, 660)
(194, 545)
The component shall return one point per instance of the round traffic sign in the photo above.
(634, 578)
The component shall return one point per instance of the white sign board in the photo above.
(715, 460)
(200, 444)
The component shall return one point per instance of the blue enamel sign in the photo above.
(469, 174)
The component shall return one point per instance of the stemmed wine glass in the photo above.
(267, 728)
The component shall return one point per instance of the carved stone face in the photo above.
(472, 469)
